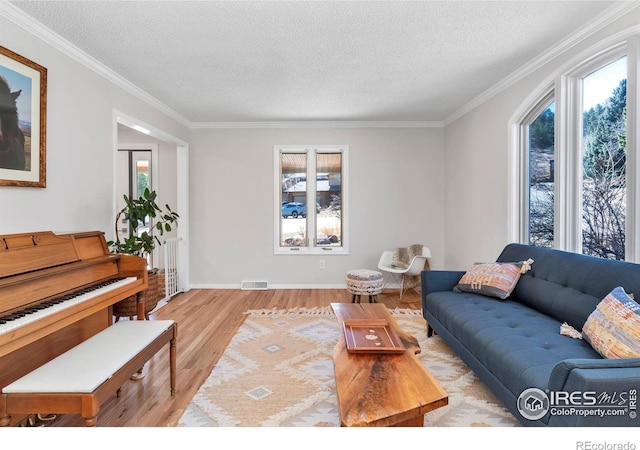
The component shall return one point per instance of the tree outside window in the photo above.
(602, 184)
(542, 178)
(604, 187)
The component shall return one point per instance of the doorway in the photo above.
(171, 176)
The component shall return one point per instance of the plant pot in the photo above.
(129, 306)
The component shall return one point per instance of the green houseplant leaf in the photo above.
(136, 211)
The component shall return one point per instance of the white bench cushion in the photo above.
(85, 367)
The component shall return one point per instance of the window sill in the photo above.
(311, 251)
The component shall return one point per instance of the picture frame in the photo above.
(23, 121)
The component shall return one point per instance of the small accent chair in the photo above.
(405, 264)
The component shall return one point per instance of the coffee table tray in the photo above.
(371, 336)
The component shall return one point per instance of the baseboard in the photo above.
(388, 288)
(271, 286)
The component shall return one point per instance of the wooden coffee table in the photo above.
(381, 390)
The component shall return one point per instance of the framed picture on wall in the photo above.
(23, 121)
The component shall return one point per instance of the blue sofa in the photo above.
(515, 345)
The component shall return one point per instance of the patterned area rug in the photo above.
(278, 372)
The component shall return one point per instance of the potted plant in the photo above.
(138, 211)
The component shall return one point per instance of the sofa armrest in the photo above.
(439, 280)
(611, 384)
(562, 372)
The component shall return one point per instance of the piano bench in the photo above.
(81, 379)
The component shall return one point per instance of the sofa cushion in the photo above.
(492, 279)
(568, 286)
(613, 328)
(518, 344)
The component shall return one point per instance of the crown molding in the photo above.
(317, 124)
(28, 23)
(17, 16)
(607, 17)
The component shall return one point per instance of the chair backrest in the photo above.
(417, 265)
(385, 259)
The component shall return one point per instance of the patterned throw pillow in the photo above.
(493, 279)
(613, 328)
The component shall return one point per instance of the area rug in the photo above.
(278, 372)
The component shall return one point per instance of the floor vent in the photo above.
(254, 285)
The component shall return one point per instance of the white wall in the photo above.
(403, 188)
(396, 180)
(396, 195)
(476, 149)
(80, 143)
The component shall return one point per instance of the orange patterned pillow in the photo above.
(613, 328)
(493, 279)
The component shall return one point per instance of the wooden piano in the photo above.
(56, 291)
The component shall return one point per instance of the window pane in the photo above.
(142, 178)
(541, 178)
(293, 223)
(604, 161)
(329, 199)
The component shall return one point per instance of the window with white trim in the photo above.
(573, 170)
(311, 199)
(604, 186)
(538, 129)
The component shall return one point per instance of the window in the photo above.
(573, 169)
(541, 155)
(310, 199)
(137, 164)
(604, 187)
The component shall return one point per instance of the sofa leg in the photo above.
(429, 331)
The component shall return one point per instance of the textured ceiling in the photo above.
(241, 61)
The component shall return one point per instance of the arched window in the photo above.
(573, 145)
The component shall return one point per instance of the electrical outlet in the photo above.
(321, 263)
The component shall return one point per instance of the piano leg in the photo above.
(5, 419)
(140, 304)
(172, 361)
(91, 421)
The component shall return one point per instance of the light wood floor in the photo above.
(207, 320)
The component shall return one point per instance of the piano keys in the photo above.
(37, 312)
